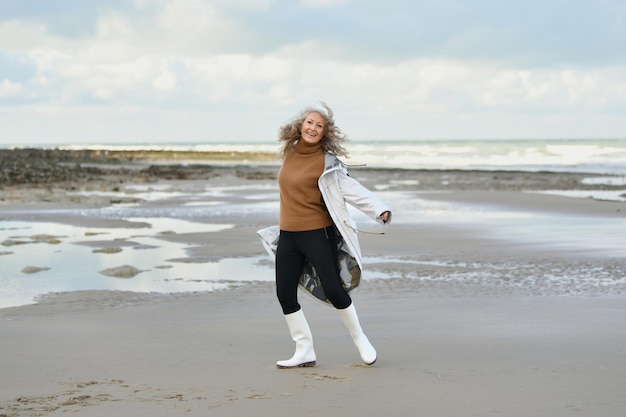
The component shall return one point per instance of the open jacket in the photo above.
(338, 189)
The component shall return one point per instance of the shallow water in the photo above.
(68, 251)
(557, 230)
(73, 264)
(570, 278)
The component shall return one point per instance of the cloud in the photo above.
(530, 34)
(9, 89)
(61, 17)
(322, 4)
(453, 68)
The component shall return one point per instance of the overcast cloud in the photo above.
(233, 70)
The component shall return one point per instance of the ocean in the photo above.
(600, 156)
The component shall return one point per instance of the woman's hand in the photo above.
(385, 216)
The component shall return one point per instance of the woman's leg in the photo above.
(289, 264)
(325, 261)
(362, 343)
(319, 247)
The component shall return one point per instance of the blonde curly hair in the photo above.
(290, 133)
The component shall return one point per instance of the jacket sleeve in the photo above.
(269, 238)
(360, 197)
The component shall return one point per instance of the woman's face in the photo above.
(313, 128)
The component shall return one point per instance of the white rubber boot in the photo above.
(301, 334)
(351, 320)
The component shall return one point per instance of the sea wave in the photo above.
(601, 156)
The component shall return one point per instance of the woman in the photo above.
(314, 188)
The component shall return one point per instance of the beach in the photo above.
(491, 293)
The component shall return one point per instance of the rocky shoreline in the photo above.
(107, 170)
(54, 166)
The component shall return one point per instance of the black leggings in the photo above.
(319, 247)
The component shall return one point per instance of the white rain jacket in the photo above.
(337, 189)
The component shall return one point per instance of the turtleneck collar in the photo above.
(307, 148)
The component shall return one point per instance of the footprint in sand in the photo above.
(318, 377)
(77, 396)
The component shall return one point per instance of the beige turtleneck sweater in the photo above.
(301, 204)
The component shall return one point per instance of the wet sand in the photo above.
(106, 353)
(466, 322)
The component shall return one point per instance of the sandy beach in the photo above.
(490, 294)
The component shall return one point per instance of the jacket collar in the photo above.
(331, 162)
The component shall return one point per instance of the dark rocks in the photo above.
(54, 167)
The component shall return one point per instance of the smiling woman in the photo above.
(313, 128)
(331, 136)
(315, 227)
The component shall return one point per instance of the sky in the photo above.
(210, 71)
